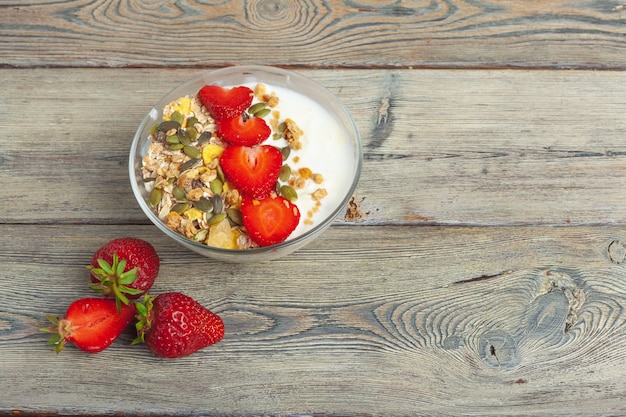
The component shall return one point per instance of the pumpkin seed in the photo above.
(177, 117)
(192, 152)
(155, 197)
(289, 193)
(193, 133)
(262, 113)
(183, 137)
(204, 138)
(285, 152)
(172, 139)
(180, 208)
(204, 204)
(277, 136)
(171, 180)
(192, 122)
(218, 204)
(281, 128)
(216, 218)
(201, 235)
(220, 174)
(191, 163)
(235, 216)
(154, 129)
(180, 193)
(285, 173)
(175, 146)
(257, 107)
(168, 125)
(217, 186)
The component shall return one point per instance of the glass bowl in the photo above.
(331, 146)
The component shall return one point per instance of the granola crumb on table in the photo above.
(182, 169)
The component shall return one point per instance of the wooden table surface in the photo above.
(485, 271)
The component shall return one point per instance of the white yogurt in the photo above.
(326, 149)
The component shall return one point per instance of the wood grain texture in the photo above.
(436, 321)
(443, 147)
(313, 33)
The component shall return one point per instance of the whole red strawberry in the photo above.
(124, 268)
(173, 325)
(92, 324)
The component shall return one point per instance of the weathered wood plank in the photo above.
(416, 321)
(335, 33)
(441, 147)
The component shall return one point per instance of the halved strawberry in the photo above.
(225, 103)
(92, 324)
(271, 220)
(243, 130)
(252, 170)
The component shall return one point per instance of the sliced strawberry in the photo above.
(271, 220)
(92, 324)
(252, 170)
(225, 103)
(243, 130)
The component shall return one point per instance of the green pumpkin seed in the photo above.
(257, 107)
(192, 152)
(172, 139)
(191, 163)
(155, 197)
(169, 125)
(235, 216)
(183, 137)
(192, 122)
(171, 180)
(262, 113)
(220, 174)
(154, 129)
(277, 136)
(285, 152)
(289, 193)
(175, 146)
(285, 173)
(193, 133)
(216, 218)
(216, 186)
(280, 129)
(180, 208)
(204, 204)
(218, 204)
(177, 117)
(180, 193)
(201, 235)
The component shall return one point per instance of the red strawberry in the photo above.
(225, 103)
(174, 325)
(270, 220)
(124, 268)
(92, 324)
(252, 170)
(243, 130)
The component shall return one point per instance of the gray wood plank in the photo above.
(441, 147)
(415, 321)
(453, 34)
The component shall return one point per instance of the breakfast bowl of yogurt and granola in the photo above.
(245, 163)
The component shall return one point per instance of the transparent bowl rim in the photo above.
(297, 241)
